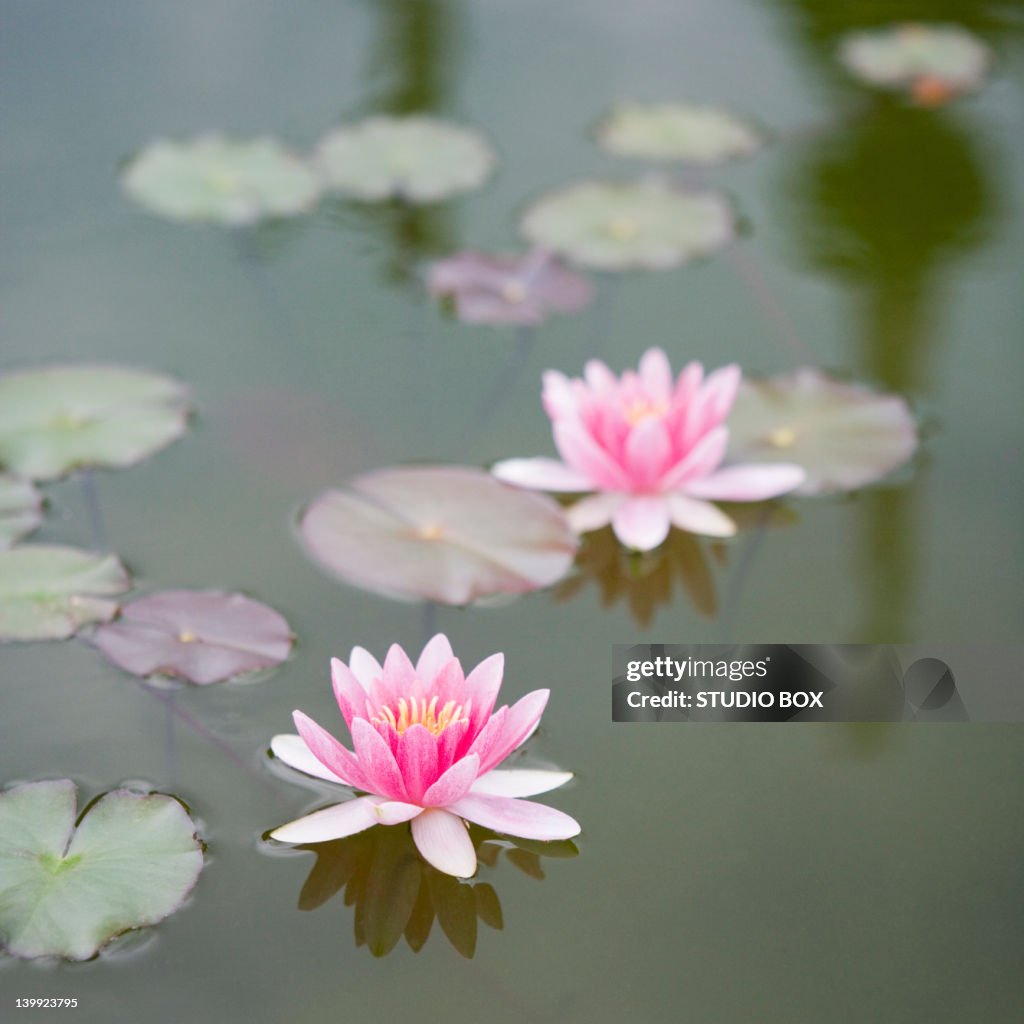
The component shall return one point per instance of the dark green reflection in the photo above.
(395, 893)
(886, 202)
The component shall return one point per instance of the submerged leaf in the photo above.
(446, 533)
(65, 891)
(844, 435)
(21, 509)
(203, 636)
(421, 159)
(645, 224)
(676, 131)
(49, 592)
(222, 181)
(61, 418)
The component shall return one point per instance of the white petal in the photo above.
(526, 782)
(594, 512)
(443, 840)
(394, 812)
(331, 823)
(642, 522)
(699, 517)
(541, 475)
(292, 751)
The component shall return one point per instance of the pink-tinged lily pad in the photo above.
(452, 534)
(504, 289)
(843, 435)
(204, 636)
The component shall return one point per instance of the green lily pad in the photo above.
(49, 592)
(61, 418)
(65, 891)
(676, 132)
(421, 159)
(215, 180)
(646, 224)
(21, 509)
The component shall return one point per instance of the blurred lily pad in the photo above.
(643, 224)
(21, 509)
(933, 63)
(844, 435)
(421, 159)
(677, 132)
(49, 592)
(216, 180)
(65, 891)
(204, 636)
(452, 534)
(60, 418)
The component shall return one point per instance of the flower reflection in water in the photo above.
(395, 893)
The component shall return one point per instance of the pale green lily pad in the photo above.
(216, 180)
(21, 509)
(65, 891)
(61, 418)
(421, 159)
(931, 62)
(676, 132)
(49, 592)
(843, 435)
(644, 224)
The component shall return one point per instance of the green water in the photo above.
(776, 874)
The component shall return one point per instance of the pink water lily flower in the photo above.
(652, 446)
(427, 742)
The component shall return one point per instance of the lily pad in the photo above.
(504, 289)
(49, 592)
(676, 132)
(61, 418)
(844, 435)
(204, 636)
(215, 180)
(452, 534)
(933, 63)
(421, 159)
(65, 891)
(21, 509)
(643, 224)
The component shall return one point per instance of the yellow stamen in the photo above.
(642, 409)
(186, 636)
(418, 712)
(622, 229)
(431, 531)
(782, 437)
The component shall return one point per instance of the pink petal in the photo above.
(520, 722)
(435, 655)
(376, 761)
(417, 761)
(748, 483)
(521, 818)
(364, 666)
(453, 784)
(482, 685)
(656, 373)
(699, 517)
(594, 512)
(558, 395)
(332, 754)
(443, 840)
(703, 458)
(450, 743)
(348, 691)
(541, 475)
(648, 452)
(712, 402)
(584, 455)
(600, 378)
(331, 823)
(642, 522)
(489, 735)
(292, 751)
(518, 782)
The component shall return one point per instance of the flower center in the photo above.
(643, 409)
(622, 228)
(186, 636)
(782, 437)
(430, 531)
(513, 291)
(419, 712)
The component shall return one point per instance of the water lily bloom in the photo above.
(653, 447)
(427, 745)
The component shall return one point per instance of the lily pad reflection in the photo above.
(396, 894)
(646, 224)
(65, 890)
(202, 636)
(48, 592)
(452, 534)
(843, 435)
(60, 418)
(21, 509)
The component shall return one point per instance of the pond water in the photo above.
(784, 873)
